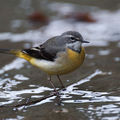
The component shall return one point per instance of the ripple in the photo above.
(70, 89)
(20, 77)
(102, 112)
(15, 64)
(9, 94)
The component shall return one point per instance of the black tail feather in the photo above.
(9, 51)
(6, 51)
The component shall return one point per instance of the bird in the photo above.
(59, 55)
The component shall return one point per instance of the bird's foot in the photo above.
(55, 92)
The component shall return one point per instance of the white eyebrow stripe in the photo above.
(71, 36)
(68, 36)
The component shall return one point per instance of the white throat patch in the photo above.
(75, 46)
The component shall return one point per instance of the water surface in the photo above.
(92, 91)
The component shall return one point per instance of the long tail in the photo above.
(8, 51)
(17, 53)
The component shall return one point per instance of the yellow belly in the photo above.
(64, 64)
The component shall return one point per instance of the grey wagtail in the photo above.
(58, 55)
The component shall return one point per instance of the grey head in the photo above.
(69, 39)
(73, 40)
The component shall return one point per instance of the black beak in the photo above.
(85, 41)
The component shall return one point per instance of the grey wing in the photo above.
(54, 45)
(48, 50)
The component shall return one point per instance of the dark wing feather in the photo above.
(39, 53)
(46, 51)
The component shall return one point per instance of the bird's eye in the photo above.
(72, 38)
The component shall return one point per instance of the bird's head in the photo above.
(73, 40)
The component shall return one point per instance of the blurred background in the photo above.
(92, 91)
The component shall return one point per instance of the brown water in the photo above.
(92, 91)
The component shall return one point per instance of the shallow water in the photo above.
(92, 91)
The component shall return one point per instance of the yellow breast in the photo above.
(75, 59)
(65, 63)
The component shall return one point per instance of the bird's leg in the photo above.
(53, 85)
(60, 81)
